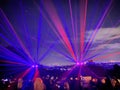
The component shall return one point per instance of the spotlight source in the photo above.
(78, 63)
(36, 65)
(33, 66)
(81, 63)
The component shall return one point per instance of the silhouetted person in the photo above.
(66, 86)
(108, 84)
(38, 84)
(20, 84)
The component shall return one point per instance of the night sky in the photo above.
(31, 31)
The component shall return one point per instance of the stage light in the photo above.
(36, 65)
(81, 63)
(78, 63)
(85, 63)
(33, 66)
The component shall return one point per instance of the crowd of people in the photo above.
(53, 83)
(55, 79)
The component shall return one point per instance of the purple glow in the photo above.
(81, 63)
(36, 65)
(99, 25)
(68, 32)
(33, 66)
(78, 63)
(56, 33)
